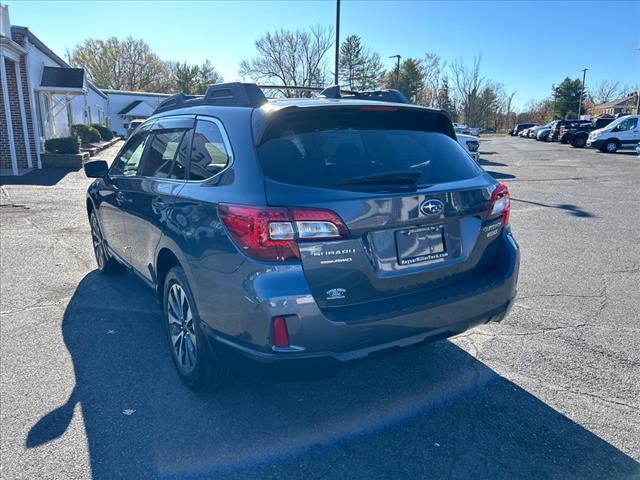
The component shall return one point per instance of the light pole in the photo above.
(335, 79)
(397, 57)
(584, 74)
(638, 94)
(555, 99)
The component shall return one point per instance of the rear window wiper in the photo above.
(405, 177)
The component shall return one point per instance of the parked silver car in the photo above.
(543, 133)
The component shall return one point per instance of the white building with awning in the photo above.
(42, 96)
(126, 106)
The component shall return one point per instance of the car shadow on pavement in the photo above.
(568, 207)
(489, 163)
(501, 175)
(45, 177)
(429, 412)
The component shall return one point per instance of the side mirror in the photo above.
(96, 169)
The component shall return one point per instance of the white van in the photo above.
(624, 132)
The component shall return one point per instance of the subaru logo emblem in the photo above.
(432, 207)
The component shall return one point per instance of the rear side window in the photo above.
(160, 158)
(209, 152)
(323, 149)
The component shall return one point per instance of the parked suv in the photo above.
(301, 234)
(519, 127)
(471, 144)
(623, 132)
(579, 134)
(566, 131)
(554, 133)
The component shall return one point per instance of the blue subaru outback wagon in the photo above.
(297, 234)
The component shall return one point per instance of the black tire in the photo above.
(106, 263)
(563, 140)
(197, 367)
(579, 142)
(610, 146)
(545, 137)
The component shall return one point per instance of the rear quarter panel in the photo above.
(194, 229)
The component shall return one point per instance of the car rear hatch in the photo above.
(410, 210)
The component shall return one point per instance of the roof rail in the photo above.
(234, 94)
(387, 95)
(238, 94)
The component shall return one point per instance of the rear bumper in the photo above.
(319, 342)
(293, 364)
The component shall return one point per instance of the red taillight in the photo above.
(272, 233)
(500, 203)
(280, 333)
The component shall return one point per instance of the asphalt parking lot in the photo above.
(88, 388)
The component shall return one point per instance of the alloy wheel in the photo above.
(611, 147)
(181, 328)
(98, 243)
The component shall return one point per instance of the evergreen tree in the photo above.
(443, 98)
(352, 61)
(186, 77)
(411, 80)
(568, 98)
(206, 75)
(359, 69)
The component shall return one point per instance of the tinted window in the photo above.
(322, 149)
(159, 159)
(129, 159)
(628, 124)
(209, 154)
(603, 122)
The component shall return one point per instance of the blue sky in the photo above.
(560, 38)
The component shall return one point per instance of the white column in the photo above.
(34, 107)
(7, 114)
(23, 115)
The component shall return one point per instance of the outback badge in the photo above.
(336, 293)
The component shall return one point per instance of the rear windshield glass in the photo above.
(326, 149)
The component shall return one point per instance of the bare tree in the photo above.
(509, 104)
(536, 111)
(290, 58)
(467, 86)
(433, 68)
(606, 90)
(127, 64)
(372, 73)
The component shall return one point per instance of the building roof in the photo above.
(137, 109)
(127, 92)
(36, 42)
(617, 102)
(129, 107)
